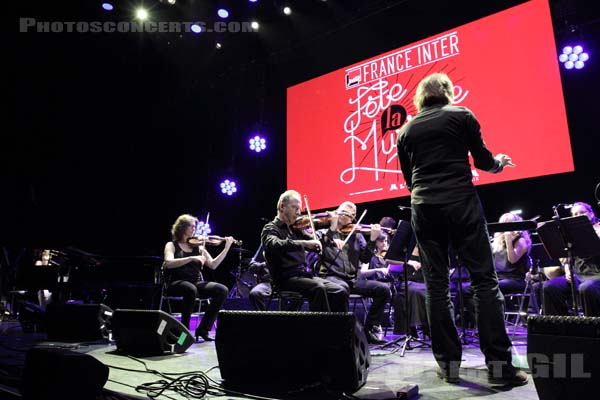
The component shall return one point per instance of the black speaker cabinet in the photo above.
(32, 318)
(62, 374)
(292, 349)
(77, 322)
(149, 333)
(563, 354)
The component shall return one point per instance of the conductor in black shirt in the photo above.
(433, 149)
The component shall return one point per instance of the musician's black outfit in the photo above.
(417, 301)
(187, 281)
(511, 277)
(287, 262)
(557, 291)
(343, 268)
(433, 149)
(263, 290)
(397, 296)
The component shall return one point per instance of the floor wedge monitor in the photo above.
(563, 354)
(149, 333)
(292, 349)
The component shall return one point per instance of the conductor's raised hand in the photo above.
(505, 160)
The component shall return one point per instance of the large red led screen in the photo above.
(341, 127)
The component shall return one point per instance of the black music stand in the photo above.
(239, 281)
(399, 252)
(568, 238)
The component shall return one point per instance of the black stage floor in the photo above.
(388, 373)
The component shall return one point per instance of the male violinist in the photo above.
(285, 253)
(340, 264)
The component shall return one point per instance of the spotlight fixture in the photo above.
(218, 46)
(203, 229)
(196, 28)
(228, 187)
(257, 144)
(222, 13)
(141, 14)
(287, 10)
(573, 57)
(107, 6)
(254, 25)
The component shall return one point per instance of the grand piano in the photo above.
(117, 281)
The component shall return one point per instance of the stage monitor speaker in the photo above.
(563, 354)
(149, 333)
(291, 349)
(77, 322)
(32, 318)
(62, 374)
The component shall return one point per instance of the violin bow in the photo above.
(205, 237)
(356, 225)
(312, 224)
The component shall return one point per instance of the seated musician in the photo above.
(387, 222)
(511, 256)
(285, 253)
(557, 291)
(340, 263)
(264, 288)
(44, 295)
(184, 264)
(417, 310)
(378, 269)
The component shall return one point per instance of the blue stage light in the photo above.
(228, 187)
(257, 144)
(203, 229)
(573, 57)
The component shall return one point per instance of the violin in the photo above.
(365, 229)
(320, 220)
(210, 240)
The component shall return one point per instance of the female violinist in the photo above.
(183, 263)
(378, 268)
(511, 256)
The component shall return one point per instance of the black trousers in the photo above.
(189, 291)
(322, 294)
(558, 300)
(462, 225)
(379, 291)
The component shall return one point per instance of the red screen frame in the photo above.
(505, 70)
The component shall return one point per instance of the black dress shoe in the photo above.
(512, 377)
(204, 336)
(447, 375)
(373, 339)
